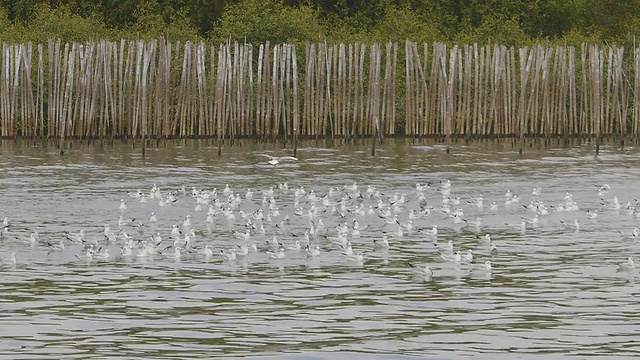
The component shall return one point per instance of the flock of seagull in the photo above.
(353, 223)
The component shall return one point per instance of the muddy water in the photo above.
(553, 290)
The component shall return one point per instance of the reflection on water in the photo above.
(552, 289)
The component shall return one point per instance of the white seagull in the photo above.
(275, 160)
(422, 270)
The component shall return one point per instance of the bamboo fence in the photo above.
(158, 89)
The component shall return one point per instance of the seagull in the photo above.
(242, 236)
(277, 255)
(275, 160)
(576, 224)
(108, 232)
(486, 237)
(454, 258)
(33, 238)
(187, 221)
(244, 250)
(230, 256)
(423, 270)
(103, 255)
(487, 265)
(207, 251)
(12, 260)
(59, 246)
(523, 225)
(433, 231)
(176, 253)
(468, 257)
(88, 255)
(313, 251)
(477, 223)
(77, 237)
(295, 247)
(384, 242)
(348, 250)
(135, 195)
(508, 194)
(175, 231)
(602, 190)
(359, 257)
(121, 222)
(126, 251)
(634, 235)
(274, 242)
(627, 265)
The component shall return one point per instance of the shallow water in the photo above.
(553, 291)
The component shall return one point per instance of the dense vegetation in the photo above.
(461, 21)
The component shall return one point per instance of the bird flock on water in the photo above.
(352, 223)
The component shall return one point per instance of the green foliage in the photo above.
(151, 22)
(257, 21)
(576, 38)
(508, 22)
(399, 24)
(8, 32)
(496, 30)
(60, 23)
(609, 18)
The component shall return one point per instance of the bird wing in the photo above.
(267, 155)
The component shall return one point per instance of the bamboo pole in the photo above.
(360, 85)
(622, 88)
(285, 88)
(391, 108)
(512, 91)
(573, 111)
(219, 103)
(320, 117)
(327, 117)
(333, 97)
(268, 93)
(524, 78)
(341, 84)
(450, 101)
(357, 90)
(636, 91)
(385, 93)
(17, 62)
(274, 103)
(296, 117)
(374, 93)
(349, 91)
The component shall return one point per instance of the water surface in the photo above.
(553, 291)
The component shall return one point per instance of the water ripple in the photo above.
(553, 291)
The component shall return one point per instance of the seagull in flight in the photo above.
(275, 160)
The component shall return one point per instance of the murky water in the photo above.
(552, 290)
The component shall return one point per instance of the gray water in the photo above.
(553, 291)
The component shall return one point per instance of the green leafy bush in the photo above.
(257, 21)
(60, 22)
